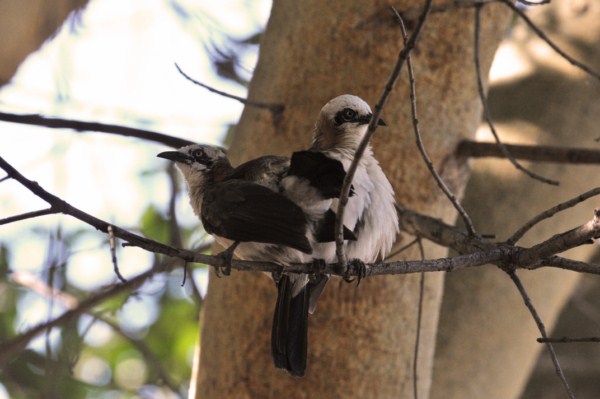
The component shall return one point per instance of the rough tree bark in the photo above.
(361, 340)
(486, 346)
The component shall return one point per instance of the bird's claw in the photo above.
(358, 267)
(226, 258)
(318, 266)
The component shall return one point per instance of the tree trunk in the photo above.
(486, 345)
(24, 26)
(361, 340)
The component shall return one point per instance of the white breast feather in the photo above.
(374, 204)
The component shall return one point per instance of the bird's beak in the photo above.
(367, 119)
(175, 156)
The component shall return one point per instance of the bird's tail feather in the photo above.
(289, 337)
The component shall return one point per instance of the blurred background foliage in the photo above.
(141, 343)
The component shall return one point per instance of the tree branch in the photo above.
(478, 252)
(537, 153)
(486, 110)
(551, 212)
(80, 126)
(28, 215)
(538, 321)
(276, 109)
(415, 122)
(561, 242)
(387, 91)
(568, 340)
(550, 43)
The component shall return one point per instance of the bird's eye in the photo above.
(348, 114)
(198, 154)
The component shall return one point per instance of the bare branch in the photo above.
(403, 248)
(27, 279)
(550, 43)
(567, 264)
(276, 109)
(479, 251)
(568, 340)
(345, 192)
(28, 215)
(551, 212)
(561, 242)
(113, 253)
(534, 3)
(483, 252)
(419, 323)
(440, 182)
(63, 207)
(79, 126)
(486, 109)
(435, 230)
(538, 321)
(538, 153)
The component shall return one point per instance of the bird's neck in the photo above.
(220, 171)
(199, 182)
(328, 138)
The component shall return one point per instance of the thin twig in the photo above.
(550, 43)
(276, 109)
(80, 126)
(567, 264)
(419, 322)
(113, 253)
(534, 3)
(537, 153)
(479, 251)
(548, 213)
(538, 321)
(195, 290)
(4, 178)
(412, 223)
(415, 122)
(561, 242)
(568, 340)
(345, 192)
(403, 248)
(486, 110)
(28, 215)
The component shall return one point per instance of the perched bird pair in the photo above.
(283, 211)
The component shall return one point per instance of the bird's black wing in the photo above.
(325, 229)
(247, 212)
(266, 171)
(325, 174)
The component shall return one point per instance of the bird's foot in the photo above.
(318, 266)
(357, 267)
(226, 258)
